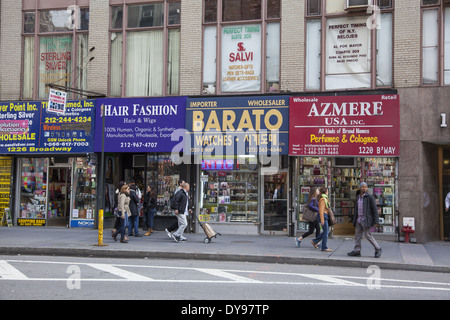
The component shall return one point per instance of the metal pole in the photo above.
(101, 184)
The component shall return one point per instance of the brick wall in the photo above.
(99, 38)
(191, 47)
(10, 49)
(407, 46)
(292, 45)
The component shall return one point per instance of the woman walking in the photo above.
(124, 213)
(323, 218)
(149, 209)
(313, 206)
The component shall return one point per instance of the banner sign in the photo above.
(358, 126)
(241, 58)
(29, 127)
(57, 102)
(139, 124)
(238, 125)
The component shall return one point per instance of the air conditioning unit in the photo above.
(357, 5)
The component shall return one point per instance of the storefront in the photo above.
(138, 147)
(240, 147)
(444, 191)
(340, 141)
(54, 180)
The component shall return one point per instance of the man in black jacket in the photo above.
(365, 217)
(181, 206)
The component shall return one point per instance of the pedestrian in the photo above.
(447, 202)
(133, 221)
(174, 226)
(181, 205)
(313, 205)
(324, 206)
(149, 209)
(123, 213)
(365, 217)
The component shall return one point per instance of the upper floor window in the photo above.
(435, 42)
(348, 47)
(241, 46)
(55, 50)
(145, 49)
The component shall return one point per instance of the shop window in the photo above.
(62, 56)
(343, 177)
(229, 190)
(241, 31)
(346, 60)
(149, 29)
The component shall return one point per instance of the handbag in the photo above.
(331, 217)
(309, 215)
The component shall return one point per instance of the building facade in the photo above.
(222, 57)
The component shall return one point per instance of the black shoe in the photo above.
(354, 254)
(138, 235)
(123, 241)
(378, 253)
(114, 236)
(176, 238)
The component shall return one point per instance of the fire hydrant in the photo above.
(407, 230)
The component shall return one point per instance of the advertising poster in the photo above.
(57, 102)
(357, 126)
(139, 124)
(238, 125)
(28, 127)
(5, 184)
(241, 58)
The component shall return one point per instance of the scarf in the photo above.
(324, 196)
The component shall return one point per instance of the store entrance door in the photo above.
(275, 204)
(59, 186)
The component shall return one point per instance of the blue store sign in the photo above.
(27, 127)
(139, 124)
(238, 125)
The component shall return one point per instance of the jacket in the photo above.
(124, 204)
(323, 210)
(149, 202)
(370, 211)
(180, 201)
(134, 202)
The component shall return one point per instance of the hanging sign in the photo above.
(241, 58)
(57, 102)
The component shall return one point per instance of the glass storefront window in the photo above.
(162, 176)
(33, 191)
(343, 177)
(229, 191)
(84, 202)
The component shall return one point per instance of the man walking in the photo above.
(365, 217)
(181, 206)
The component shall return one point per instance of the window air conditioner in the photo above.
(358, 4)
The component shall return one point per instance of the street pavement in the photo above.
(55, 241)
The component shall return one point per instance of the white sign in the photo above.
(407, 221)
(348, 45)
(241, 58)
(57, 102)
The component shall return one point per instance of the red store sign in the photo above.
(366, 126)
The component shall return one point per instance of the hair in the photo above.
(322, 190)
(124, 188)
(312, 194)
(180, 182)
(184, 185)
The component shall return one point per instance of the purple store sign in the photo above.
(139, 124)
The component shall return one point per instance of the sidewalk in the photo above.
(262, 248)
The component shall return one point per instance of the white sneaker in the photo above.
(168, 233)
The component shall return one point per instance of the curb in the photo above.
(127, 254)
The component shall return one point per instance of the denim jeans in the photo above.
(324, 235)
(150, 215)
(133, 222)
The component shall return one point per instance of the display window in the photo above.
(84, 199)
(162, 175)
(33, 191)
(343, 177)
(229, 190)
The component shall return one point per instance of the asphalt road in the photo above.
(61, 278)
